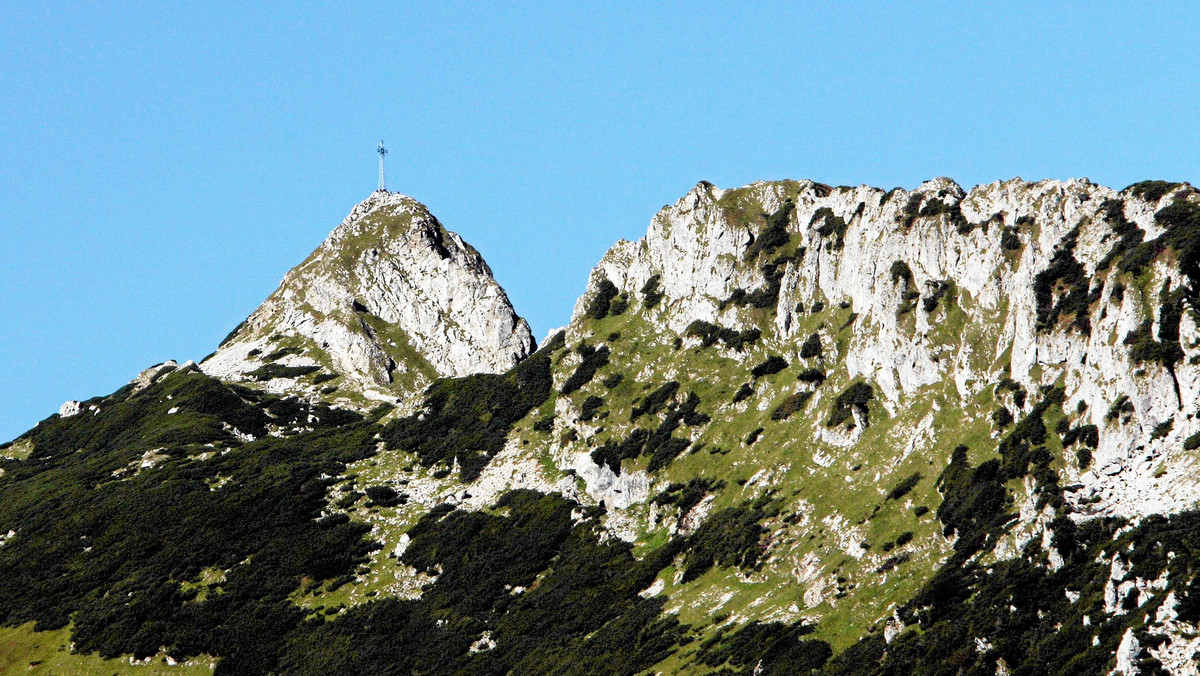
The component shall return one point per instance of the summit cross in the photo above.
(382, 176)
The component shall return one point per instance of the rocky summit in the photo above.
(389, 302)
(794, 429)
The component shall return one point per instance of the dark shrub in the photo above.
(790, 405)
(857, 397)
(1151, 191)
(601, 303)
(382, 496)
(593, 359)
(775, 234)
(467, 419)
(811, 347)
(651, 294)
(652, 403)
(591, 406)
(905, 486)
(744, 392)
(729, 537)
(811, 376)
(901, 272)
(710, 333)
(773, 364)
(271, 371)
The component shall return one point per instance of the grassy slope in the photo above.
(48, 652)
(851, 487)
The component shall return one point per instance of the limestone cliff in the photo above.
(883, 254)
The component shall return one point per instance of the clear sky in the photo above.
(162, 165)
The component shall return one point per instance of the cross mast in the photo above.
(382, 176)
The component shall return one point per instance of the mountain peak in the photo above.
(390, 301)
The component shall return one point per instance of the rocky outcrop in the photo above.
(390, 301)
(901, 259)
(70, 408)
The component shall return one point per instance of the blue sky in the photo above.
(162, 168)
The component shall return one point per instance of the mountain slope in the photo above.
(886, 329)
(390, 301)
(795, 428)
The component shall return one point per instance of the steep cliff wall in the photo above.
(888, 254)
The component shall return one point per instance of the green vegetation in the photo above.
(772, 365)
(857, 397)
(233, 334)
(660, 444)
(766, 649)
(1162, 429)
(1123, 406)
(1065, 280)
(1036, 628)
(601, 303)
(591, 406)
(774, 234)
(144, 531)
(768, 295)
(270, 371)
(811, 376)
(918, 207)
(792, 404)
(938, 289)
(651, 293)
(1128, 234)
(466, 420)
(22, 650)
(1086, 435)
(686, 496)
(654, 402)
(581, 613)
(900, 272)
(729, 537)
(905, 486)
(710, 333)
(283, 352)
(592, 358)
(1009, 239)
(908, 214)
(831, 225)
(1151, 191)
(743, 393)
(1181, 218)
(383, 496)
(799, 541)
(1143, 348)
(811, 347)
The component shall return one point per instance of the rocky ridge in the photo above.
(990, 245)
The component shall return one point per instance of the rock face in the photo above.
(390, 301)
(892, 256)
(70, 408)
